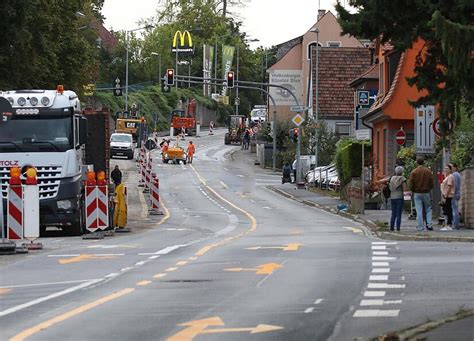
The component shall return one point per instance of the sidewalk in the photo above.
(377, 221)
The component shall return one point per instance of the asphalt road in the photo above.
(230, 260)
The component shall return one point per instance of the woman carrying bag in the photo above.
(397, 185)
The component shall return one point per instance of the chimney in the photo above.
(321, 12)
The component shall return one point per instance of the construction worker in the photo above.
(191, 150)
(164, 147)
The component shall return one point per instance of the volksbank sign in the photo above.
(181, 44)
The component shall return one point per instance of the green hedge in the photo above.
(152, 100)
(349, 159)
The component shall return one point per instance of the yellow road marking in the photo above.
(171, 269)
(193, 258)
(205, 249)
(353, 229)
(182, 262)
(142, 283)
(60, 318)
(264, 269)
(253, 221)
(4, 291)
(288, 247)
(81, 258)
(194, 328)
(160, 275)
(224, 185)
(143, 203)
(167, 212)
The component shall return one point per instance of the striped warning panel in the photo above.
(15, 212)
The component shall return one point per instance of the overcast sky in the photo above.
(270, 21)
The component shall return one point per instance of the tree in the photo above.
(444, 66)
(44, 43)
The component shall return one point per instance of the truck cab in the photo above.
(45, 129)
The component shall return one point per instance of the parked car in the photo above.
(121, 144)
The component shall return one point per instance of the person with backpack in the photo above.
(395, 187)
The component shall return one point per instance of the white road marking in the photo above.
(126, 269)
(49, 297)
(233, 220)
(164, 251)
(72, 255)
(267, 208)
(241, 176)
(153, 257)
(379, 247)
(376, 313)
(44, 284)
(309, 310)
(113, 274)
(378, 278)
(380, 264)
(141, 263)
(374, 293)
(379, 302)
(381, 270)
(383, 258)
(383, 243)
(385, 286)
(319, 300)
(57, 240)
(380, 253)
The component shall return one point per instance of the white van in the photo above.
(121, 145)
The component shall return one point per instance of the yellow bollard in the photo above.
(120, 212)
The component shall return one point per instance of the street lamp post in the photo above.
(159, 64)
(126, 61)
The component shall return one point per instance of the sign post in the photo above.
(298, 120)
(363, 135)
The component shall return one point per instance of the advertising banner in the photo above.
(290, 79)
(227, 57)
(208, 61)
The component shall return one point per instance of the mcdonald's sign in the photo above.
(182, 45)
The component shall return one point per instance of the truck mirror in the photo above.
(83, 131)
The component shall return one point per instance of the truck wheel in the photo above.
(77, 227)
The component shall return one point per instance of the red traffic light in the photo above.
(169, 76)
(230, 79)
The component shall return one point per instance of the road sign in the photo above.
(297, 120)
(438, 131)
(298, 108)
(363, 98)
(400, 137)
(363, 134)
(89, 89)
(424, 133)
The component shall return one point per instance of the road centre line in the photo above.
(319, 300)
(46, 283)
(309, 310)
(49, 297)
(60, 318)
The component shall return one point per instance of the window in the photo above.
(343, 129)
(312, 44)
(334, 44)
(381, 79)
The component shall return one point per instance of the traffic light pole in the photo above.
(248, 85)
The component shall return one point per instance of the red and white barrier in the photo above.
(91, 206)
(148, 179)
(102, 205)
(155, 197)
(15, 227)
(31, 207)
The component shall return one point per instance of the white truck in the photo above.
(46, 129)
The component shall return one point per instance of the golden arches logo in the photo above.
(228, 50)
(182, 39)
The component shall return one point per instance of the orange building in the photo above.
(391, 110)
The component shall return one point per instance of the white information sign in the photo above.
(424, 134)
(363, 134)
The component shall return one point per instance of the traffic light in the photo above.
(169, 76)
(164, 86)
(230, 79)
(295, 135)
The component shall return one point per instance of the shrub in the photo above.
(349, 159)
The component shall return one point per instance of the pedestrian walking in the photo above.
(421, 184)
(190, 152)
(397, 185)
(116, 175)
(457, 196)
(447, 192)
(294, 166)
